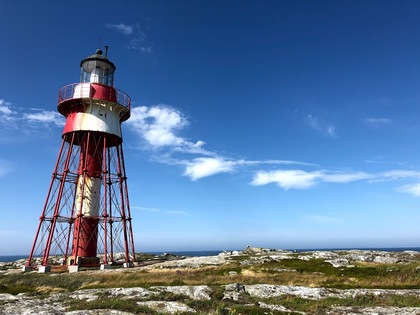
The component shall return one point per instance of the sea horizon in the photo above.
(193, 253)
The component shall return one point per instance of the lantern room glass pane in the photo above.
(84, 76)
(108, 77)
(97, 71)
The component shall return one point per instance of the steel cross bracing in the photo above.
(59, 220)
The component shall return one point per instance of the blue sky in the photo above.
(284, 124)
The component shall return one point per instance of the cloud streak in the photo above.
(319, 125)
(7, 115)
(159, 126)
(16, 118)
(145, 209)
(122, 28)
(170, 212)
(287, 179)
(5, 108)
(378, 122)
(300, 179)
(412, 189)
(204, 167)
(138, 39)
(45, 117)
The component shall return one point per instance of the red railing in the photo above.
(95, 91)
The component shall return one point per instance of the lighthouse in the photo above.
(86, 220)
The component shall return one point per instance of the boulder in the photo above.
(168, 307)
(339, 262)
(196, 293)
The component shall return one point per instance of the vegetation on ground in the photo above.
(248, 305)
(294, 271)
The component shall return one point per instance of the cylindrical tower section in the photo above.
(94, 104)
(88, 196)
(94, 110)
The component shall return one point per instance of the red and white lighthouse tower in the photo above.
(86, 216)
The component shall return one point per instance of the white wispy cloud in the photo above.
(5, 108)
(412, 189)
(376, 122)
(345, 177)
(170, 212)
(379, 159)
(139, 41)
(194, 148)
(137, 37)
(145, 209)
(7, 115)
(287, 179)
(286, 162)
(45, 117)
(158, 125)
(122, 28)
(207, 166)
(300, 179)
(321, 126)
(13, 118)
(397, 174)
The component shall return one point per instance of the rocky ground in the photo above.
(155, 297)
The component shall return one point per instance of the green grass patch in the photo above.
(33, 282)
(310, 306)
(317, 272)
(313, 272)
(238, 258)
(112, 303)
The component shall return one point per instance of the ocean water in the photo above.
(194, 253)
(190, 253)
(12, 258)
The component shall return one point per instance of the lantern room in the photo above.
(97, 69)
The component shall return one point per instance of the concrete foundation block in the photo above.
(129, 264)
(44, 269)
(73, 268)
(106, 266)
(26, 268)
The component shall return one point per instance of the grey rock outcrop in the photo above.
(55, 303)
(156, 297)
(197, 293)
(167, 307)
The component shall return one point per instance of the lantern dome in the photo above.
(97, 68)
